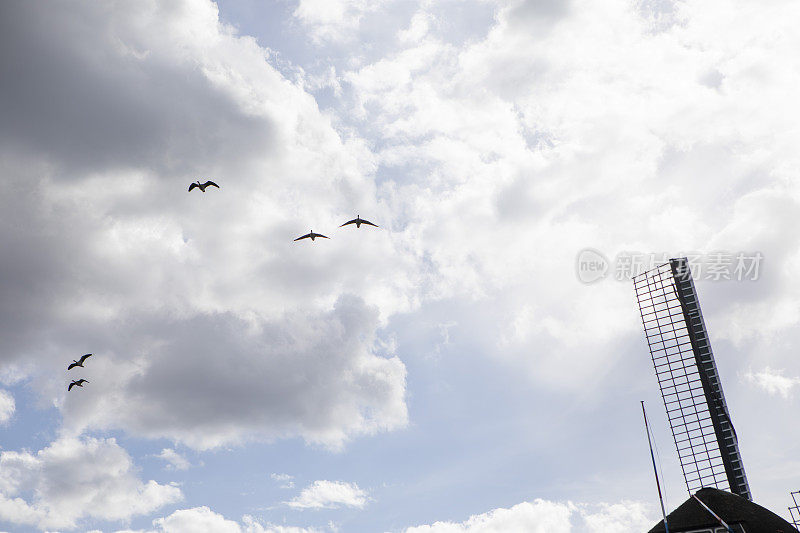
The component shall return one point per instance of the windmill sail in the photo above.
(687, 375)
(795, 511)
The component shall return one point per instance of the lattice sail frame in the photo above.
(795, 511)
(687, 375)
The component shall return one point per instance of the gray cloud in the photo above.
(217, 379)
(85, 91)
(536, 15)
(165, 365)
(208, 324)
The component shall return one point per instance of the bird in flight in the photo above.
(79, 363)
(358, 221)
(311, 235)
(202, 186)
(78, 382)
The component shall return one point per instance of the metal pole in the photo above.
(655, 470)
(721, 521)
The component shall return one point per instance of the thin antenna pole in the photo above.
(721, 521)
(655, 470)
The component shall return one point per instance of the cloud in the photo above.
(196, 519)
(324, 494)
(174, 460)
(223, 380)
(7, 406)
(509, 155)
(565, 126)
(622, 516)
(285, 479)
(81, 97)
(204, 519)
(537, 517)
(208, 324)
(333, 20)
(73, 479)
(773, 382)
(541, 516)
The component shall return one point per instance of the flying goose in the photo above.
(78, 363)
(78, 382)
(202, 186)
(358, 221)
(312, 236)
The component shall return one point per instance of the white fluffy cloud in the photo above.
(653, 127)
(7, 406)
(73, 479)
(542, 516)
(196, 519)
(323, 494)
(334, 20)
(204, 519)
(773, 382)
(285, 480)
(539, 517)
(174, 460)
(578, 124)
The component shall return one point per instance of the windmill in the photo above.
(698, 416)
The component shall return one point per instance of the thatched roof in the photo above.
(730, 507)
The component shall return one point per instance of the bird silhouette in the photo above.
(78, 382)
(79, 363)
(311, 235)
(202, 186)
(358, 221)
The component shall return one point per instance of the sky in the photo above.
(457, 369)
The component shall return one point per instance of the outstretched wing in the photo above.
(321, 235)
(306, 236)
(211, 183)
(70, 386)
(349, 222)
(72, 365)
(368, 222)
(192, 186)
(84, 358)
